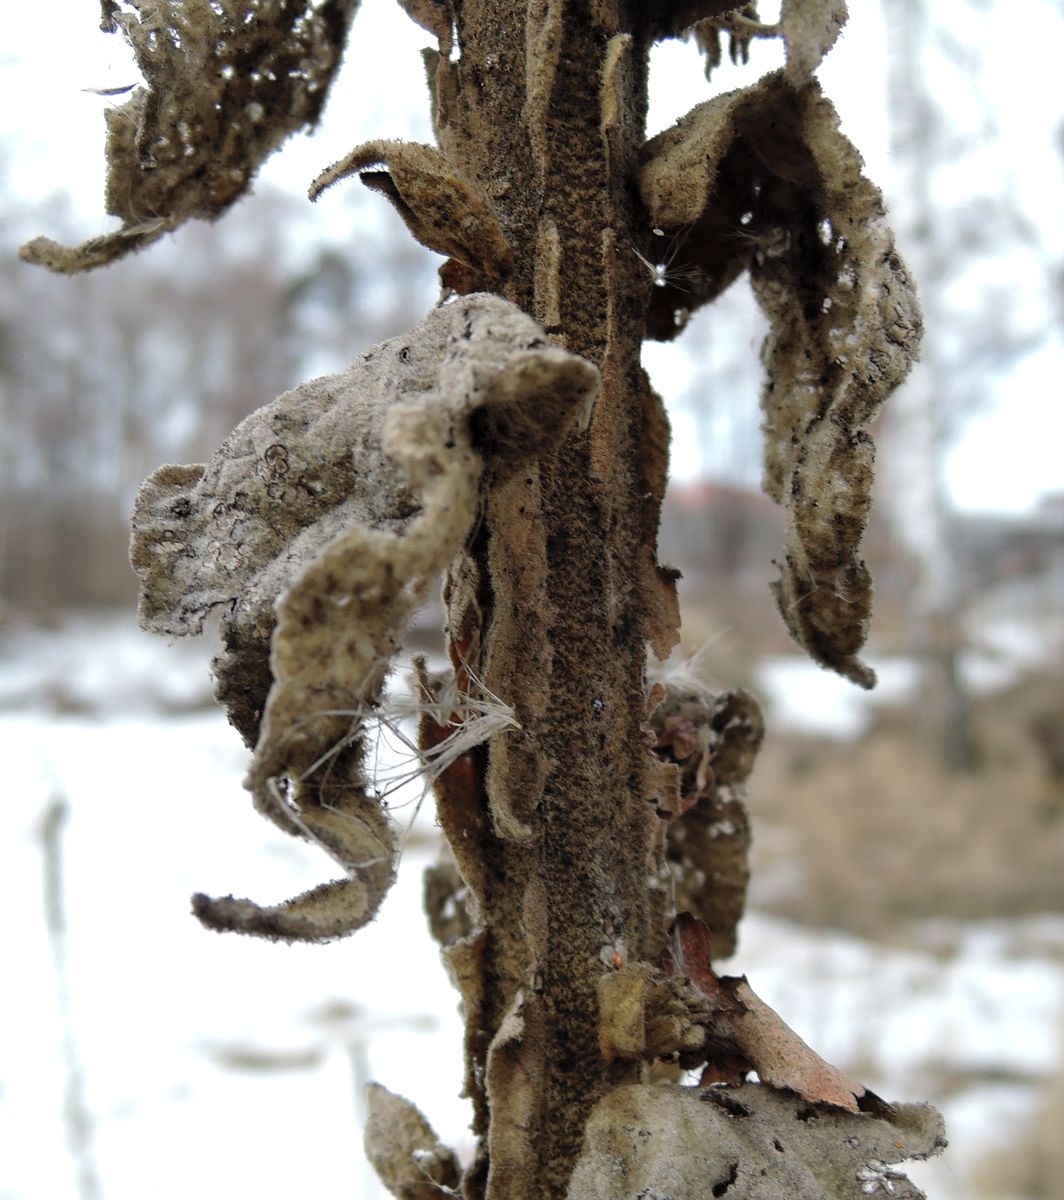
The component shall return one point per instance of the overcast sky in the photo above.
(51, 136)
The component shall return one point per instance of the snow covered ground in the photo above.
(187, 1063)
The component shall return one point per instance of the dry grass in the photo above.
(864, 835)
(1033, 1167)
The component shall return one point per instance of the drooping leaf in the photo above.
(763, 179)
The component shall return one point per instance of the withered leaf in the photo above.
(744, 1020)
(742, 24)
(673, 18)
(441, 208)
(764, 179)
(405, 1152)
(227, 82)
(316, 529)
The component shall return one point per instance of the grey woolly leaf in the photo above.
(845, 330)
(326, 912)
(763, 179)
(751, 1142)
(317, 528)
(227, 83)
(697, 185)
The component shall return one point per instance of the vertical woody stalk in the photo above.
(544, 110)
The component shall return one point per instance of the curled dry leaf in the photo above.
(405, 1152)
(750, 1143)
(227, 82)
(316, 530)
(441, 208)
(742, 1022)
(763, 179)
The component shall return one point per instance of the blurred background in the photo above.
(908, 897)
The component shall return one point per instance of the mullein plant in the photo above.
(596, 833)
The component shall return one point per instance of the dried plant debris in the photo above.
(316, 530)
(746, 1143)
(227, 81)
(405, 1152)
(645, 1014)
(743, 1034)
(763, 179)
(441, 208)
(713, 740)
(686, 1014)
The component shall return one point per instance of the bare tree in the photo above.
(594, 816)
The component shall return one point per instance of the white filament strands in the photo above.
(396, 761)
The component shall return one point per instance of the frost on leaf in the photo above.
(410, 1161)
(713, 740)
(227, 81)
(748, 1143)
(316, 530)
(763, 180)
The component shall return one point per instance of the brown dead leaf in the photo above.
(750, 1030)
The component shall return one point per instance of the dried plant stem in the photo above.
(567, 589)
